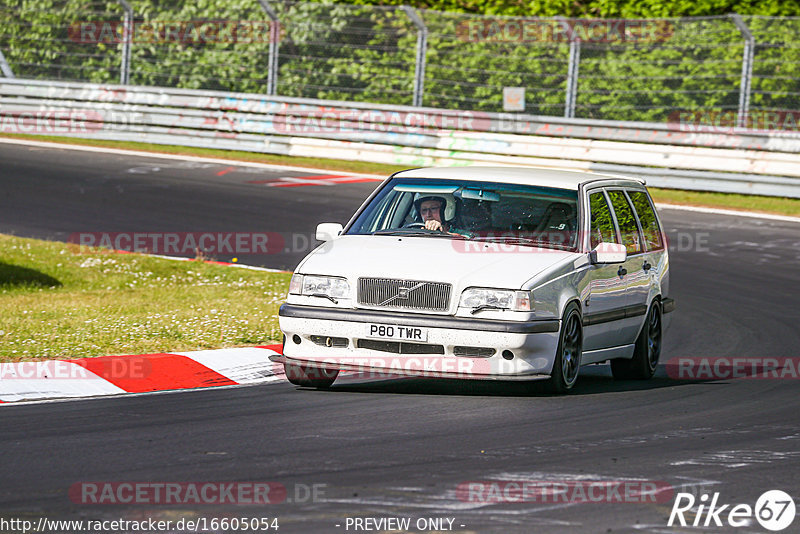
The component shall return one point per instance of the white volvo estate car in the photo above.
(493, 273)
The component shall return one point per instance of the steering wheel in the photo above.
(415, 225)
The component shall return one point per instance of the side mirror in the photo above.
(328, 231)
(608, 253)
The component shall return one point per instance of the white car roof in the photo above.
(546, 177)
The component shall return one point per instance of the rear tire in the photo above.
(646, 352)
(310, 377)
(568, 356)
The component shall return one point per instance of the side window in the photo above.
(602, 225)
(647, 218)
(628, 228)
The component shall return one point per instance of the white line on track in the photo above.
(736, 213)
(180, 157)
(7, 405)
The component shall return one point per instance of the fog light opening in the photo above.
(328, 342)
(508, 355)
(296, 339)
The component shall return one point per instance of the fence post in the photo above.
(4, 68)
(272, 54)
(747, 70)
(127, 41)
(422, 49)
(572, 70)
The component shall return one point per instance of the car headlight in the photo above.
(503, 299)
(329, 286)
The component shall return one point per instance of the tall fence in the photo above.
(738, 70)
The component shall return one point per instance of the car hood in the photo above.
(459, 262)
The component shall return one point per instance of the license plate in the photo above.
(403, 333)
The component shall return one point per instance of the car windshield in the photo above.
(488, 211)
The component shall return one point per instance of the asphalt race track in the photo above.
(55, 194)
(404, 448)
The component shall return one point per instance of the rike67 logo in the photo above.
(774, 510)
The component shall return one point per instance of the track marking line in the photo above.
(177, 157)
(225, 171)
(735, 213)
(321, 179)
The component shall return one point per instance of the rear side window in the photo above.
(647, 218)
(602, 225)
(628, 228)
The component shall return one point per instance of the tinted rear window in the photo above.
(628, 228)
(602, 225)
(648, 220)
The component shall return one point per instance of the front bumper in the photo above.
(530, 345)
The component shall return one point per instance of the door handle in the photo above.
(646, 266)
(622, 271)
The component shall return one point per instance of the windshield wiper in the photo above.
(487, 307)
(516, 240)
(324, 296)
(418, 232)
(404, 231)
(507, 239)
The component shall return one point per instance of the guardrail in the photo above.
(667, 155)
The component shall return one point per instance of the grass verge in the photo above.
(60, 304)
(776, 205)
(730, 201)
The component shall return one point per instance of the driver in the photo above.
(431, 209)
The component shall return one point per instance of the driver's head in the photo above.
(431, 208)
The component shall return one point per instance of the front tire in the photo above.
(568, 356)
(647, 351)
(310, 377)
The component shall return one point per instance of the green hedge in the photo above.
(605, 8)
(367, 53)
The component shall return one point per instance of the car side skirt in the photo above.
(614, 315)
(611, 353)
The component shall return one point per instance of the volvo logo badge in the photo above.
(403, 293)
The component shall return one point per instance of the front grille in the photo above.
(404, 294)
(399, 347)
